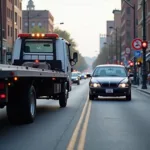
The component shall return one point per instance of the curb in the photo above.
(134, 86)
(143, 91)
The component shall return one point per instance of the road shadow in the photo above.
(104, 99)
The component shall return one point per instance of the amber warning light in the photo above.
(38, 35)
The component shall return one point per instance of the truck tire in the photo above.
(21, 107)
(63, 98)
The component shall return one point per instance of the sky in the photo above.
(85, 20)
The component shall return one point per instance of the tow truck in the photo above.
(41, 66)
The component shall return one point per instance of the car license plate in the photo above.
(109, 90)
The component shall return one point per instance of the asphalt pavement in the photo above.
(104, 124)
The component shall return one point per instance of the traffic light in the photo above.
(139, 64)
(144, 44)
(131, 64)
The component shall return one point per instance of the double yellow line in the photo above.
(85, 114)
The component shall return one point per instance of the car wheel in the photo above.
(78, 83)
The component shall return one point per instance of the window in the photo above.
(38, 46)
(68, 51)
(16, 33)
(128, 10)
(33, 24)
(11, 31)
(26, 24)
(128, 23)
(16, 17)
(20, 22)
(8, 30)
(39, 24)
(110, 72)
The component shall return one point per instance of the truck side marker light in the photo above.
(2, 96)
(15, 78)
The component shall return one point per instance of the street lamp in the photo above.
(116, 29)
(134, 33)
(59, 23)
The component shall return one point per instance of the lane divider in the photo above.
(73, 139)
(84, 129)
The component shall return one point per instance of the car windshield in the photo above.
(110, 72)
(38, 46)
(74, 74)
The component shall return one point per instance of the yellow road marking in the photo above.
(73, 139)
(84, 129)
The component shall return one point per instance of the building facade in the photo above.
(32, 19)
(127, 26)
(12, 23)
(102, 38)
(109, 23)
(140, 27)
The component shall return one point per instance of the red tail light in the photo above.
(2, 86)
(2, 96)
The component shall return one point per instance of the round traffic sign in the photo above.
(137, 44)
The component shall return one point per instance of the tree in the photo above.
(81, 64)
(37, 29)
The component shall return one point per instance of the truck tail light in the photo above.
(2, 96)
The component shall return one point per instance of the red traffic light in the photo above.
(144, 44)
(131, 63)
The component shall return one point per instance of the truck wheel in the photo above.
(63, 99)
(21, 107)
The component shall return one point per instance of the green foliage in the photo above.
(81, 64)
(37, 29)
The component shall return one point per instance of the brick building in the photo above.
(12, 21)
(127, 25)
(37, 18)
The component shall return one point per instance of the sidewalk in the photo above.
(139, 87)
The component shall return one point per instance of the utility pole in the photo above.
(1, 32)
(144, 86)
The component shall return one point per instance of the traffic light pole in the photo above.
(144, 73)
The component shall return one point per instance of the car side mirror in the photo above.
(88, 75)
(75, 57)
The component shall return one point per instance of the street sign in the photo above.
(137, 44)
(128, 50)
(137, 54)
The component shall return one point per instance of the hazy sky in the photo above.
(84, 19)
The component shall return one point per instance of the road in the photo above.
(103, 124)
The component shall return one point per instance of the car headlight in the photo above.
(95, 85)
(123, 85)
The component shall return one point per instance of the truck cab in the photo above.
(48, 48)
